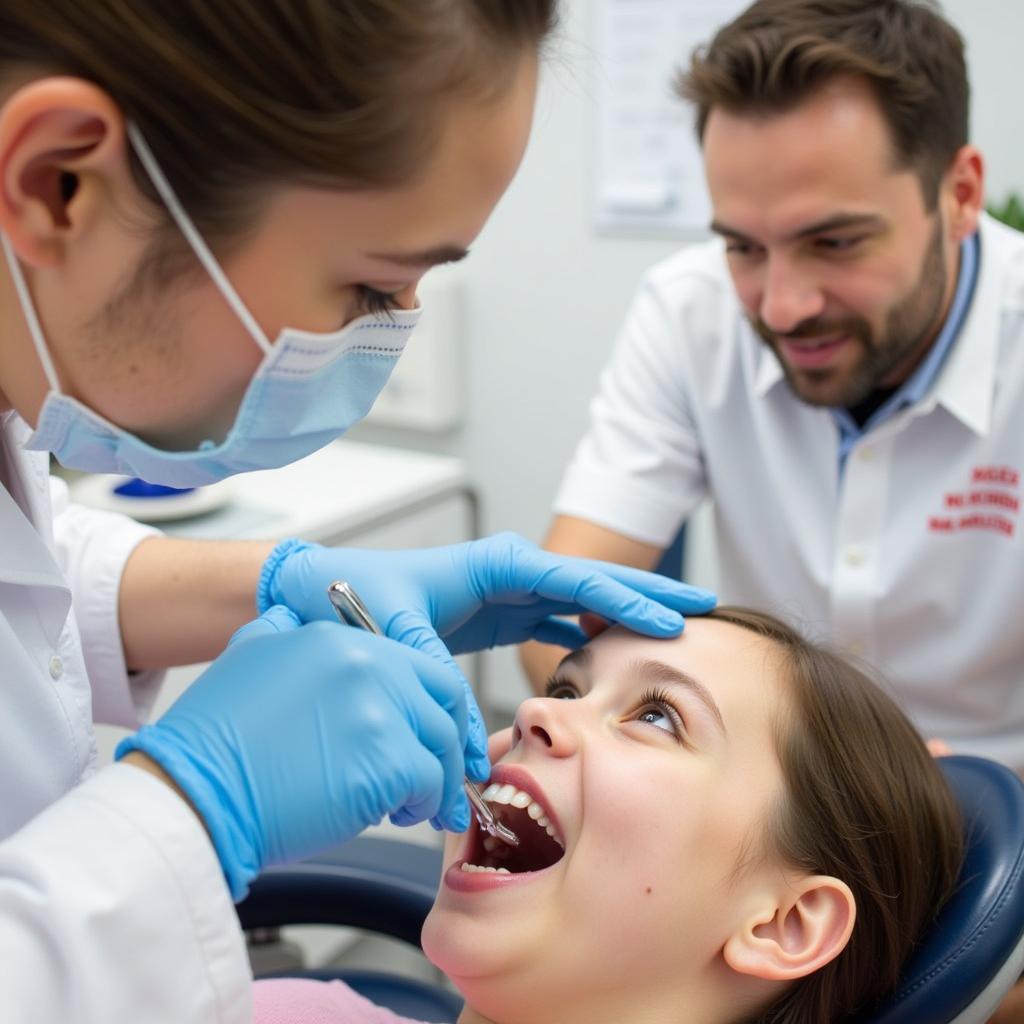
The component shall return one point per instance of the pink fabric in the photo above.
(304, 1001)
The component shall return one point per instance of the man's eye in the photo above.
(740, 249)
(838, 244)
(559, 689)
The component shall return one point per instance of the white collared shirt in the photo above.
(914, 561)
(113, 906)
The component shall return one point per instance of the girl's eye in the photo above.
(559, 689)
(656, 709)
(655, 716)
(374, 301)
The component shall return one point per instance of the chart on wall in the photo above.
(648, 176)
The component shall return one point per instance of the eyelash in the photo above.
(658, 698)
(739, 249)
(553, 685)
(826, 244)
(839, 244)
(651, 698)
(376, 302)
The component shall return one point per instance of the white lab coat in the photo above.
(913, 560)
(113, 907)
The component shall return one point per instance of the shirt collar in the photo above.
(915, 388)
(917, 384)
(966, 385)
(769, 369)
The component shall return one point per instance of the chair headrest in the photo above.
(380, 885)
(982, 925)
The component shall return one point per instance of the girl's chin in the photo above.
(467, 951)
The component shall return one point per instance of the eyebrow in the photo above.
(581, 658)
(835, 222)
(427, 258)
(651, 671)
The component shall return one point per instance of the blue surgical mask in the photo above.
(308, 389)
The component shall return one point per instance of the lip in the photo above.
(471, 882)
(801, 355)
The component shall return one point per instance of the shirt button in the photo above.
(854, 556)
(56, 667)
(866, 454)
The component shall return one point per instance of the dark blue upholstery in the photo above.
(983, 923)
(388, 887)
(378, 885)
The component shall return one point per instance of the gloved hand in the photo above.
(500, 590)
(298, 737)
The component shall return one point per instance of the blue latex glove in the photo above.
(298, 737)
(499, 590)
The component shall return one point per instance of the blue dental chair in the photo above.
(962, 969)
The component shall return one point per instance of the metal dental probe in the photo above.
(353, 612)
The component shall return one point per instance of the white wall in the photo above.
(546, 294)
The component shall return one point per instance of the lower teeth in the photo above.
(476, 868)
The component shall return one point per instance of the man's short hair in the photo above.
(777, 53)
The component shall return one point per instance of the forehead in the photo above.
(833, 149)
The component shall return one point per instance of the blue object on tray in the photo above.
(136, 488)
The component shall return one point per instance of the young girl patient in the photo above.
(734, 825)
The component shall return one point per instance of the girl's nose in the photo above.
(545, 723)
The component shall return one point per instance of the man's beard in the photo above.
(907, 327)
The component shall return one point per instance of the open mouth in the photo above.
(540, 844)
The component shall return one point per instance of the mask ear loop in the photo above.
(192, 236)
(28, 308)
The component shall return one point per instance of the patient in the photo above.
(734, 825)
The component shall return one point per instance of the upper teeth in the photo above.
(496, 793)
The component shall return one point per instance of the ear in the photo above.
(62, 143)
(963, 192)
(806, 925)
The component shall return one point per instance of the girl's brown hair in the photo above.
(237, 95)
(864, 802)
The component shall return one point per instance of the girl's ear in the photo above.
(797, 932)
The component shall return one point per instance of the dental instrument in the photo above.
(351, 610)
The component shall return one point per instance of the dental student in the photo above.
(213, 220)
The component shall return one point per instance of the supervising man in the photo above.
(841, 371)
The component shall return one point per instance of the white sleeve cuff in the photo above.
(635, 508)
(93, 547)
